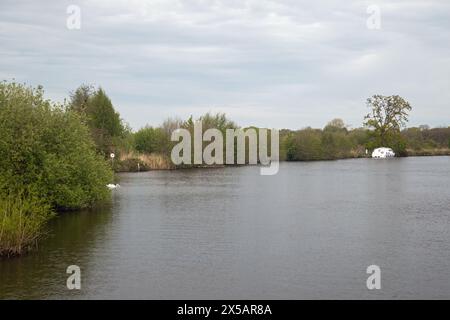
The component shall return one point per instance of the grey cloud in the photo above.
(272, 63)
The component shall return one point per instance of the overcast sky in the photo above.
(281, 64)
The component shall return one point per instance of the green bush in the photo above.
(97, 111)
(22, 221)
(48, 151)
(152, 140)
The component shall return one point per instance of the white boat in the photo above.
(381, 153)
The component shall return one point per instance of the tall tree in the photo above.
(99, 114)
(387, 116)
(336, 125)
(79, 98)
(102, 114)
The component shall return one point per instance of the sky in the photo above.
(277, 64)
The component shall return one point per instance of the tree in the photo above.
(170, 125)
(289, 146)
(387, 116)
(79, 99)
(151, 140)
(336, 125)
(103, 116)
(304, 145)
(217, 121)
(98, 113)
(47, 151)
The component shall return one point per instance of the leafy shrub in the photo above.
(48, 151)
(22, 221)
(152, 140)
(97, 111)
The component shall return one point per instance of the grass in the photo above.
(22, 223)
(429, 152)
(129, 162)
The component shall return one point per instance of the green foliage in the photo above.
(79, 99)
(171, 124)
(335, 141)
(97, 111)
(415, 138)
(422, 137)
(288, 147)
(124, 144)
(102, 116)
(209, 121)
(48, 151)
(336, 125)
(305, 144)
(158, 140)
(217, 121)
(358, 136)
(222, 123)
(387, 116)
(22, 221)
(398, 145)
(152, 140)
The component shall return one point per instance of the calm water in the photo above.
(308, 232)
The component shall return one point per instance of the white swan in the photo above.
(112, 186)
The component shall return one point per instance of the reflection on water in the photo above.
(308, 232)
(71, 240)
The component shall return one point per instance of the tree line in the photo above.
(384, 125)
(55, 156)
(48, 163)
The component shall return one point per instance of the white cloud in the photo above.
(273, 63)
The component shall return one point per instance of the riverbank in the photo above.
(49, 162)
(135, 162)
(428, 152)
(22, 224)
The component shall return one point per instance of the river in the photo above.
(229, 233)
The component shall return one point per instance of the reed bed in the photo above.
(133, 161)
(429, 152)
(22, 222)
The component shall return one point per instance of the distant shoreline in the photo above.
(145, 168)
